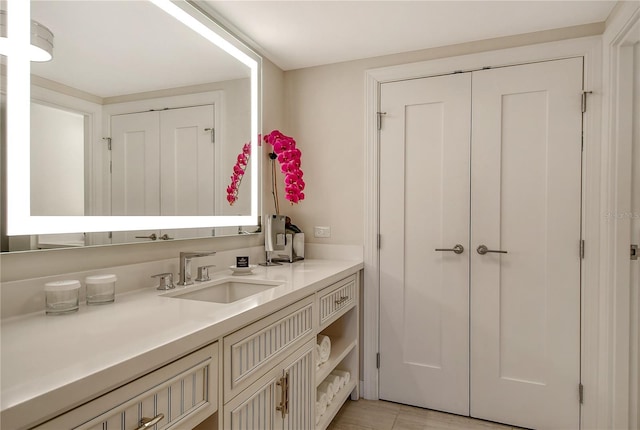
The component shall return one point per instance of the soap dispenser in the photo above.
(274, 236)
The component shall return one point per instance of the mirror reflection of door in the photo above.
(57, 161)
(58, 183)
(162, 163)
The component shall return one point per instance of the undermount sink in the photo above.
(224, 290)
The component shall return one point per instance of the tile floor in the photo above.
(381, 415)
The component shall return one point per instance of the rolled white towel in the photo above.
(336, 381)
(339, 382)
(321, 405)
(317, 352)
(325, 347)
(343, 374)
(327, 388)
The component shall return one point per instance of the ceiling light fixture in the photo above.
(41, 40)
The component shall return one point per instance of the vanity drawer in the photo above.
(184, 392)
(256, 346)
(336, 299)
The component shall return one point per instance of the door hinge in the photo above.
(379, 114)
(584, 100)
(581, 393)
(379, 240)
(377, 360)
(108, 139)
(110, 167)
(582, 249)
(634, 252)
(110, 235)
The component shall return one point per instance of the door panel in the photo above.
(135, 158)
(424, 205)
(187, 165)
(163, 164)
(525, 199)
(301, 391)
(522, 196)
(135, 164)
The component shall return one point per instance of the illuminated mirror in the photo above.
(134, 126)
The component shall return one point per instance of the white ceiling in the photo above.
(296, 34)
(110, 48)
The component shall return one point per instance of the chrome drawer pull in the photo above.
(342, 299)
(283, 407)
(146, 423)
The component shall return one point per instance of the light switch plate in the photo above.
(321, 231)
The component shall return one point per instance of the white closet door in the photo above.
(525, 187)
(187, 165)
(424, 205)
(135, 178)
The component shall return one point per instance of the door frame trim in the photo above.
(618, 348)
(590, 48)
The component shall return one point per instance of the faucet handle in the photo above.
(166, 281)
(203, 273)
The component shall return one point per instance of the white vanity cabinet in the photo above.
(258, 370)
(176, 396)
(271, 380)
(268, 371)
(339, 320)
(283, 398)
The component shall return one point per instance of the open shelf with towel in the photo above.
(344, 338)
(344, 357)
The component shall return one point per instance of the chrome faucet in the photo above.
(185, 265)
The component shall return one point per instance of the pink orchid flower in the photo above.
(239, 170)
(289, 158)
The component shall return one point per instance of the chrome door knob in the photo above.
(482, 250)
(458, 249)
(152, 236)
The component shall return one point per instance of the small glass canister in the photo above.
(61, 297)
(101, 289)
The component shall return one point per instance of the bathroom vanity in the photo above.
(157, 359)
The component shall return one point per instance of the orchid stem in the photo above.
(274, 186)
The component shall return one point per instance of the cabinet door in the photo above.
(256, 408)
(180, 395)
(301, 390)
(261, 405)
(252, 350)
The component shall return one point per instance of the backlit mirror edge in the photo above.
(19, 219)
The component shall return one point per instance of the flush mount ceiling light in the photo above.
(41, 40)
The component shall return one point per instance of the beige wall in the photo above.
(324, 112)
(272, 118)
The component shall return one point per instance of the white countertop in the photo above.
(55, 362)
